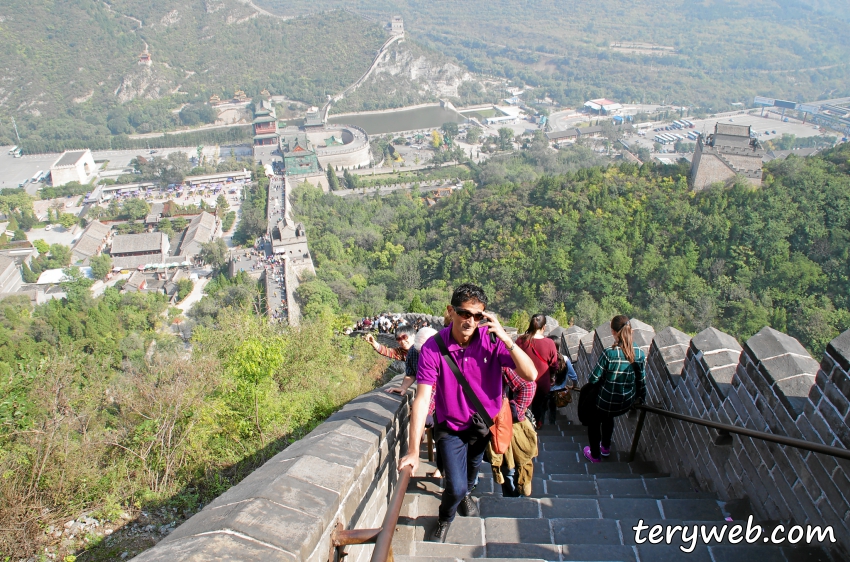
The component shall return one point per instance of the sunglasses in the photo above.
(466, 315)
(401, 338)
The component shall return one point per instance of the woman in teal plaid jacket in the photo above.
(621, 372)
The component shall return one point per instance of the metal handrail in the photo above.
(382, 537)
(726, 429)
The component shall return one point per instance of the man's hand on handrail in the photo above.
(411, 459)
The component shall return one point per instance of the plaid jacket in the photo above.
(621, 382)
(395, 353)
(521, 389)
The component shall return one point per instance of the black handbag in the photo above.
(587, 402)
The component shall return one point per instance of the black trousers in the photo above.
(539, 406)
(601, 429)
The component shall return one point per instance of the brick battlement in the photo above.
(769, 384)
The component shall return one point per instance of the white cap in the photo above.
(423, 335)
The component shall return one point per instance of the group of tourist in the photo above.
(465, 372)
(385, 323)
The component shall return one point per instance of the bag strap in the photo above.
(467, 390)
(531, 343)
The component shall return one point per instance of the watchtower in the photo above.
(397, 26)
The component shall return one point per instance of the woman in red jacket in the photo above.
(545, 357)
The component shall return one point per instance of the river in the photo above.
(427, 117)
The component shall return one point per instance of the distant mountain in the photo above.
(69, 68)
(704, 53)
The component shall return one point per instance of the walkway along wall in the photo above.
(344, 471)
(770, 384)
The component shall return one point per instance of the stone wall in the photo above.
(769, 384)
(343, 471)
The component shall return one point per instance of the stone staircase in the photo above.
(579, 511)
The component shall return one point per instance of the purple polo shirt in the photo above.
(480, 362)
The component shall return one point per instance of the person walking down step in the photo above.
(464, 361)
(621, 376)
(542, 352)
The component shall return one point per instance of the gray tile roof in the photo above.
(132, 243)
(90, 241)
(200, 231)
(69, 158)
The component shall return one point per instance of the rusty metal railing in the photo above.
(725, 431)
(382, 537)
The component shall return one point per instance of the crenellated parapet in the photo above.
(770, 384)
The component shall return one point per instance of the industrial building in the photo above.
(603, 106)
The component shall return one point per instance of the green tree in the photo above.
(214, 252)
(179, 224)
(351, 180)
(67, 220)
(473, 134)
(165, 226)
(221, 206)
(101, 265)
(506, 138)
(333, 181)
(450, 129)
(27, 274)
(135, 209)
(416, 306)
(184, 287)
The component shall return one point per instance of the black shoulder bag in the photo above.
(481, 420)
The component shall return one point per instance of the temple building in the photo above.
(299, 158)
(728, 153)
(265, 124)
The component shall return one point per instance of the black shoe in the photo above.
(467, 507)
(440, 531)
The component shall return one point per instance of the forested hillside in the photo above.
(69, 71)
(602, 240)
(105, 412)
(704, 53)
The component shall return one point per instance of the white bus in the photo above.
(13, 149)
(37, 177)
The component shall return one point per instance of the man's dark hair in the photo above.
(405, 330)
(469, 292)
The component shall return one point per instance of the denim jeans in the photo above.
(509, 487)
(460, 453)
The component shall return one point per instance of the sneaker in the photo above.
(440, 531)
(604, 451)
(588, 455)
(467, 507)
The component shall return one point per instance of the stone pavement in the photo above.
(579, 511)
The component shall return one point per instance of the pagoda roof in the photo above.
(266, 136)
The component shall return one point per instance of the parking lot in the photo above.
(766, 129)
(14, 171)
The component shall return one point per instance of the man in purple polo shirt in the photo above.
(480, 360)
